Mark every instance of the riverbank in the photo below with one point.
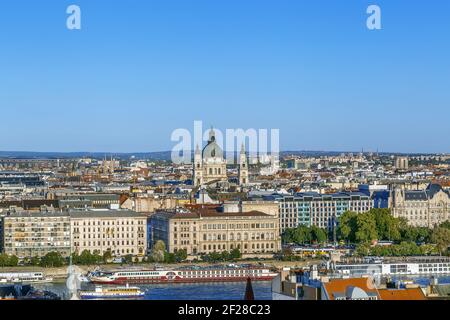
(61, 273)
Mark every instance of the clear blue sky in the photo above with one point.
(140, 69)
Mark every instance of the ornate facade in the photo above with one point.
(424, 208)
(206, 230)
(211, 166)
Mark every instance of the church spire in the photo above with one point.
(197, 149)
(212, 135)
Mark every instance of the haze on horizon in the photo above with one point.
(138, 70)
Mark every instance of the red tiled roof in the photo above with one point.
(340, 286)
(402, 294)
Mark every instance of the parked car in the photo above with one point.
(117, 260)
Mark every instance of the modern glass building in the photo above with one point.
(321, 210)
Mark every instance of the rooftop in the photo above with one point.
(212, 212)
(105, 214)
(402, 294)
(340, 288)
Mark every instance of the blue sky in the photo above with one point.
(140, 69)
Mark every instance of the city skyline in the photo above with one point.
(137, 71)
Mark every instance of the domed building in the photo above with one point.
(211, 166)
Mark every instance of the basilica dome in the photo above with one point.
(212, 149)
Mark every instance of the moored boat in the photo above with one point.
(419, 267)
(122, 292)
(184, 275)
(24, 277)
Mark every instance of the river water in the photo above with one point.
(209, 291)
(200, 291)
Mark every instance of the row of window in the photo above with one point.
(223, 226)
(109, 223)
(254, 246)
(220, 272)
(107, 229)
(106, 243)
(239, 236)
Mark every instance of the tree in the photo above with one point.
(445, 224)
(181, 255)
(13, 261)
(367, 227)
(4, 259)
(158, 250)
(215, 256)
(348, 226)
(288, 236)
(318, 235)
(225, 255)
(415, 234)
(441, 237)
(363, 249)
(52, 260)
(169, 257)
(388, 227)
(302, 234)
(128, 259)
(86, 257)
(107, 256)
(8, 260)
(235, 254)
(96, 257)
(35, 261)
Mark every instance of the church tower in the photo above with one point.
(243, 167)
(198, 168)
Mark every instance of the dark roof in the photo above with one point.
(91, 196)
(30, 204)
(36, 214)
(434, 188)
(416, 195)
(105, 214)
(318, 196)
(429, 193)
(211, 213)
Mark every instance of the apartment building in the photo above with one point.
(321, 210)
(28, 234)
(210, 229)
(117, 231)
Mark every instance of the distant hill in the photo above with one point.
(164, 155)
(160, 155)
